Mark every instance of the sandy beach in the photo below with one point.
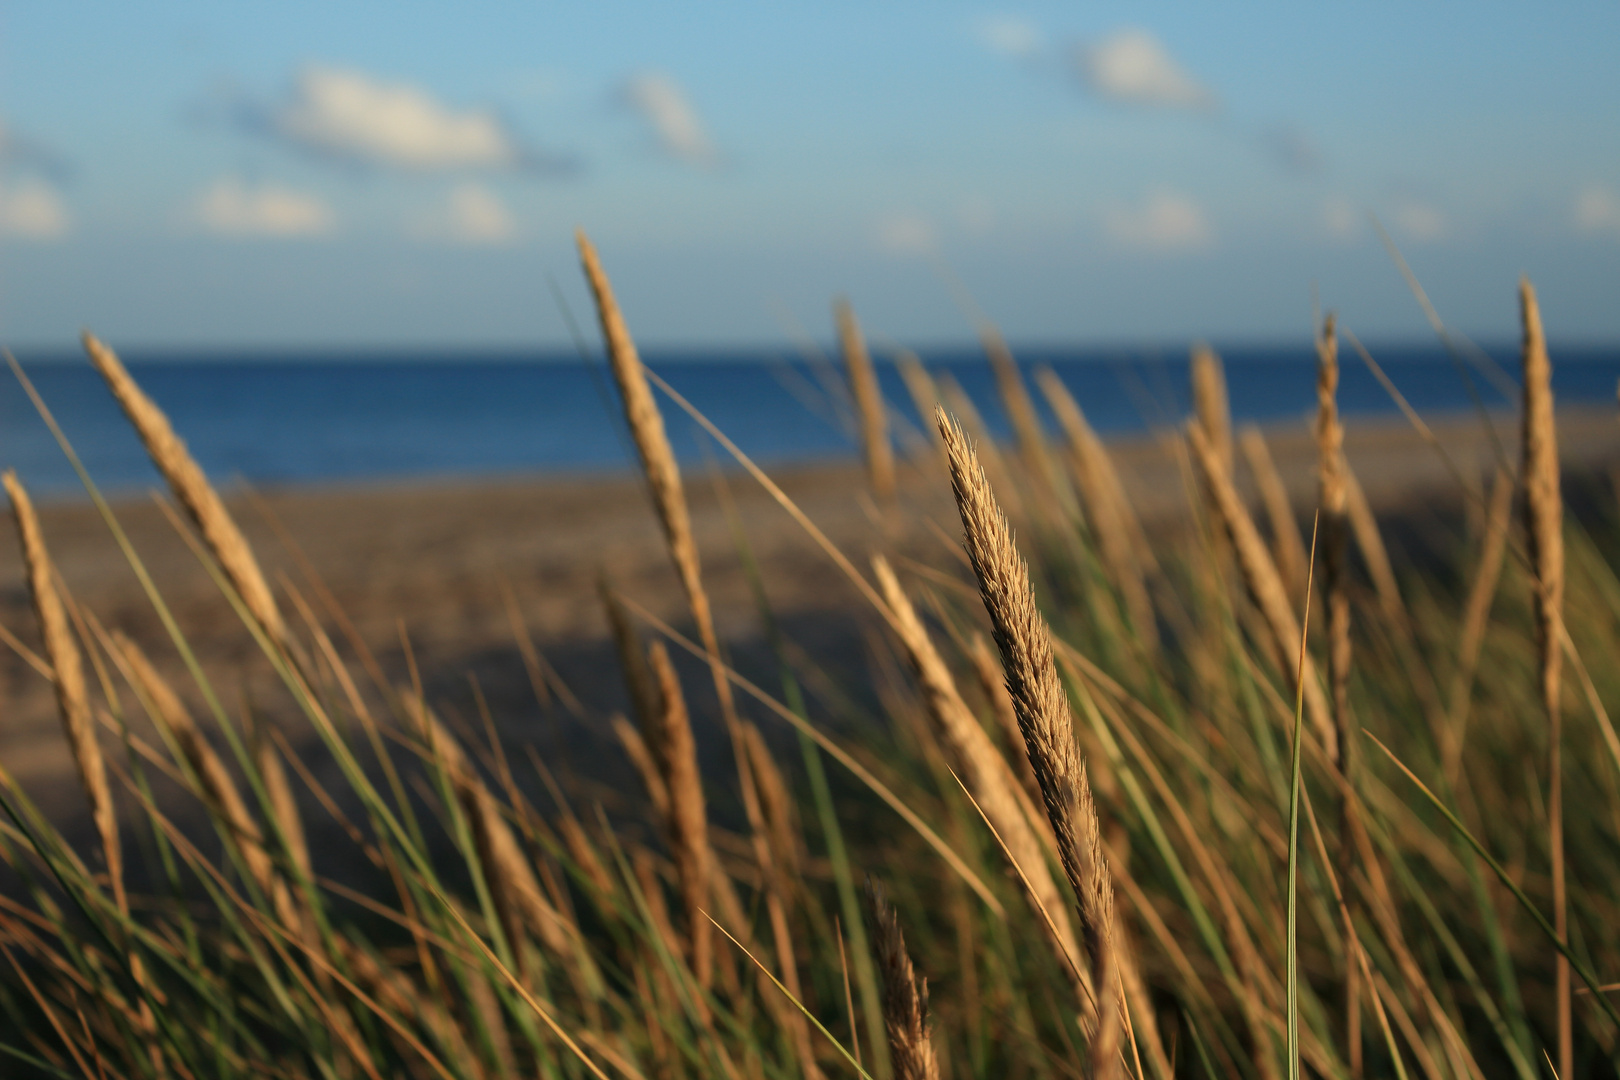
(433, 562)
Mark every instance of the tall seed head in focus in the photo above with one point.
(1022, 637)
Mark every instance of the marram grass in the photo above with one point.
(1113, 824)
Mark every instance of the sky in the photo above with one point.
(389, 175)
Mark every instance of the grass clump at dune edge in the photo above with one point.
(1136, 810)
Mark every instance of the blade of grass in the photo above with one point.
(1575, 962)
(1293, 820)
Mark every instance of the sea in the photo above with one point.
(307, 418)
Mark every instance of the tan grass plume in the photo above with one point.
(1024, 641)
(982, 768)
(868, 397)
(1476, 618)
(1332, 494)
(1108, 511)
(676, 753)
(658, 464)
(1332, 541)
(1210, 403)
(67, 679)
(282, 803)
(905, 998)
(924, 394)
(218, 787)
(1544, 534)
(1288, 547)
(635, 748)
(1020, 409)
(190, 486)
(1264, 583)
(519, 900)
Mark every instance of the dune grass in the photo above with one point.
(1114, 821)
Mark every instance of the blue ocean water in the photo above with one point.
(309, 419)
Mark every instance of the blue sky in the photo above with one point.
(312, 174)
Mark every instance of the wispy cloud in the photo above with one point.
(31, 209)
(1340, 220)
(906, 234)
(471, 214)
(663, 104)
(1165, 222)
(351, 116)
(1420, 220)
(1133, 67)
(1014, 38)
(1597, 210)
(230, 207)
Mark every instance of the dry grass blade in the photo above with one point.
(67, 679)
(1024, 641)
(1020, 409)
(1210, 403)
(657, 463)
(186, 479)
(217, 786)
(1265, 585)
(1286, 543)
(987, 669)
(1370, 541)
(1544, 535)
(518, 898)
(845, 759)
(924, 394)
(1476, 618)
(905, 1000)
(986, 774)
(776, 804)
(869, 407)
(643, 694)
(1373, 552)
(635, 748)
(282, 803)
(1108, 511)
(676, 753)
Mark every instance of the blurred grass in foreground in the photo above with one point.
(1115, 821)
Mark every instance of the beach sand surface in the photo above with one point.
(433, 564)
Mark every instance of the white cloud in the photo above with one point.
(1597, 210)
(1133, 67)
(663, 104)
(352, 116)
(1340, 219)
(1016, 39)
(906, 234)
(32, 209)
(1166, 222)
(232, 208)
(1420, 221)
(472, 214)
